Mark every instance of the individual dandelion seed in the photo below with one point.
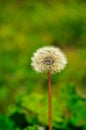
(49, 60)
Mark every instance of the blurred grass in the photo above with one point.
(26, 26)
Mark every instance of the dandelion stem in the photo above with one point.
(49, 101)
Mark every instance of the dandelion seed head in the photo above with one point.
(49, 59)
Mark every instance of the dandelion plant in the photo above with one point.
(49, 60)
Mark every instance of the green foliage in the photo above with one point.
(31, 128)
(6, 123)
(62, 111)
(28, 24)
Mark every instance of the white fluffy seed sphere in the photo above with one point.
(48, 59)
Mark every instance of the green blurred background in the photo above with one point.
(24, 27)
